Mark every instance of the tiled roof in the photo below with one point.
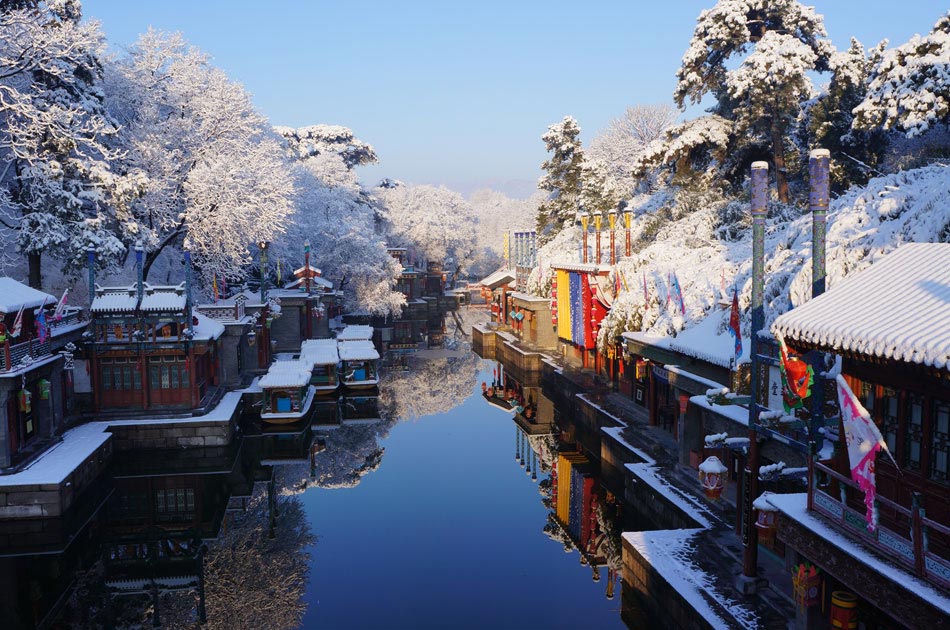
(357, 351)
(114, 300)
(898, 308)
(170, 298)
(14, 295)
(498, 278)
(355, 333)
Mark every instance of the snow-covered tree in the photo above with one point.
(496, 213)
(619, 145)
(909, 89)
(314, 140)
(828, 120)
(339, 222)
(435, 222)
(58, 191)
(218, 177)
(762, 92)
(561, 179)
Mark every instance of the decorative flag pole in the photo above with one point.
(864, 440)
(750, 538)
(734, 327)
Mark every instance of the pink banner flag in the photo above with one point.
(864, 441)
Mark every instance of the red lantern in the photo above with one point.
(766, 521)
(711, 476)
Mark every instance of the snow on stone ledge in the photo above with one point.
(795, 506)
(898, 308)
(689, 505)
(668, 551)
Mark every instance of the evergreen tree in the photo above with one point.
(762, 95)
(562, 178)
(909, 89)
(830, 118)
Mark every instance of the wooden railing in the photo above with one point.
(909, 547)
(12, 355)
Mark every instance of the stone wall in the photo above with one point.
(662, 601)
(186, 434)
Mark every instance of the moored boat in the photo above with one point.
(288, 394)
(324, 358)
(359, 364)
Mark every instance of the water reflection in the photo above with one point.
(258, 534)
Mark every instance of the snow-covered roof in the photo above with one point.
(322, 353)
(115, 300)
(583, 267)
(898, 308)
(313, 269)
(355, 333)
(286, 374)
(207, 327)
(16, 295)
(315, 281)
(357, 351)
(170, 298)
(498, 278)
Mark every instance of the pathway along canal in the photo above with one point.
(425, 506)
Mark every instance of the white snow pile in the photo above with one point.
(709, 250)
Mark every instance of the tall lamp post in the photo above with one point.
(263, 247)
(306, 259)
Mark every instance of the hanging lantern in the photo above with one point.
(711, 474)
(251, 338)
(44, 389)
(766, 520)
(641, 369)
(806, 585)
(25, 401)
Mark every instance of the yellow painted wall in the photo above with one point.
(563, 487)
(563, 304)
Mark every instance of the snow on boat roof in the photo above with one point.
(15, 295)
(114, 299)
(357, 351)
(583, 267)
(355, 333)
(322, 354)
(498, 278)
(286, 374)
(898, 308)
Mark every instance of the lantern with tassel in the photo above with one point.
(711, 474)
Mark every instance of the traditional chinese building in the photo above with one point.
(890, 327)
(148, 350)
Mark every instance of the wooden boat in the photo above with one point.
(322, 355)
(359, 364)
(288, 394)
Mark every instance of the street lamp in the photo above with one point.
(263, 247)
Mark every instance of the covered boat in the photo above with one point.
(288, 394)
(359, 364)
(355, 333)
(324, 359)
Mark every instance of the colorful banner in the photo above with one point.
(797, 377)
(864, 440)
(577, 309)
(734, 324)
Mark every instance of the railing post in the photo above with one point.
(812, 478)
(917, 534)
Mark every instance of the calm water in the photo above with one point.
(448, 532)
(406, 509)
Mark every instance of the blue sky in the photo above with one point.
(459, 93)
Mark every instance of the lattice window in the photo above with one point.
(915, 430)
(940, 446)
(890, 404)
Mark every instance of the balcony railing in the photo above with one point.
(223, 312)
(71, 318)
(13, 355)
(909, 547)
